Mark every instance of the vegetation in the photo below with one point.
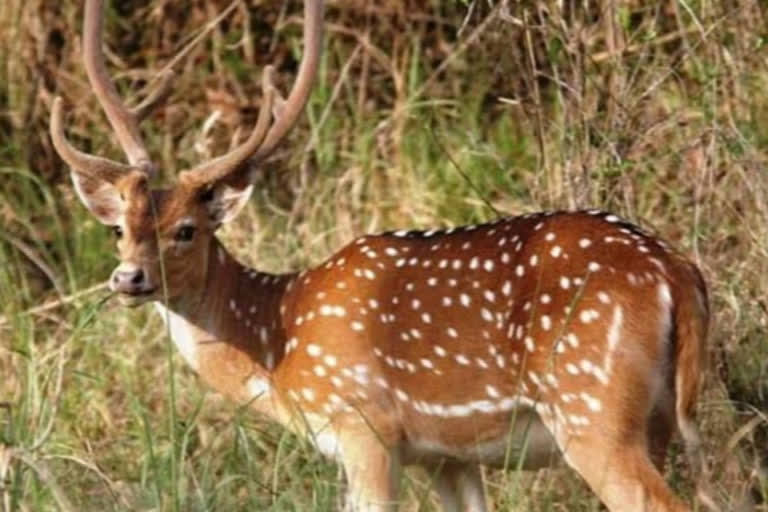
(426, 114)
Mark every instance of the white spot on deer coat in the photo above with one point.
(258, 386)
(613, 337)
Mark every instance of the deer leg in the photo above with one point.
(460, 487)
(661, 427)
(622, 476)
(373, 473)
(470, 483)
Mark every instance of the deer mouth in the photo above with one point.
(135, 298)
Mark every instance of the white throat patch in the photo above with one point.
(182, 333)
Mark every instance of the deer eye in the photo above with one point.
(207, 195)
(117, 231)
(185, 234)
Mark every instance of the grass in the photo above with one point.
(533, 110)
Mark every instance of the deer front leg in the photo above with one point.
(373, 473)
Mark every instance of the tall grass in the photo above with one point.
(424, 115)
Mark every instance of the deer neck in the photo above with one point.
(230, 331)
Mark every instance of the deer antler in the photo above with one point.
(262, 143)
(90, 165)
(222, 166)
(124, 121)
(292, 107)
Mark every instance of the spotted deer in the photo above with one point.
(564, 335)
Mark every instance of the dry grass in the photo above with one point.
(652, 109)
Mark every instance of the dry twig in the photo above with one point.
(4, 321)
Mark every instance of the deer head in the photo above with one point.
(167, 233)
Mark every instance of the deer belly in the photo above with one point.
(513, 439)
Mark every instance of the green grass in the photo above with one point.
(88, 410)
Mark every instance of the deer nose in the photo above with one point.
(128, 278)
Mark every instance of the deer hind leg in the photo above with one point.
(622, 475)
(620, 453)
(661, 428)
(373, 473)
(691, 439)
(460, 487)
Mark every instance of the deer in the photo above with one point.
(561, 336)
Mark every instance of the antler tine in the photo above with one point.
(124, 121)
(90, 165)
(220, 167)
(297, 99)
(264, 138)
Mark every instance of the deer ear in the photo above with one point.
(102, 198)
(225, 201)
